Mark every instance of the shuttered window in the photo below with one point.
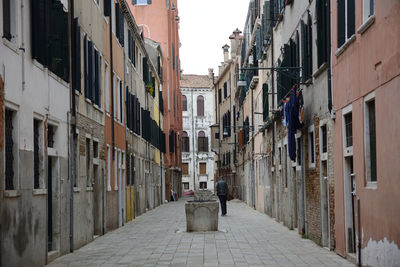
(203, 168)
(49, 28)
(185, 142)
(306, 50)
(107, 8)
(119, 24)
(184, 103)
(322, 31)
(77, 51)
(173, 56)
(265, 102)
(225, 90)
(9, 149)
(202, 142)
(200, 106)
(7, 20)
(185, 169)
(345, 20)
(219, 95)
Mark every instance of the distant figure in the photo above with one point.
(222, 191)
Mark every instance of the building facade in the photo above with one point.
(77, 80)
(35, 182)
(198, 116)
(159, 21)
(224, 132)
(365, 77)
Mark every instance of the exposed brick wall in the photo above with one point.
(96, 130)
(313, 193)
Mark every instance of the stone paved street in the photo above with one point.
(158, 238)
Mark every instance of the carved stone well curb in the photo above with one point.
(202, 213)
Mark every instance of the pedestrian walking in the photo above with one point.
(222, 191)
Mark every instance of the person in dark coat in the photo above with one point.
(222, 191)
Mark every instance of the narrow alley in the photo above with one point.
(158, 238)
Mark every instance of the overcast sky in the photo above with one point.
(205, 26)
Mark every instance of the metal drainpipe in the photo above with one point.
(329, 59)
(112, 88)
(253, 191)
(72, 119)
(22, 48)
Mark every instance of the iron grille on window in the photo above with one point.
(348, 120)
(9, 153)
(50, 135)
(35, 154)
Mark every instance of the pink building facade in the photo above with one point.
(366, 97)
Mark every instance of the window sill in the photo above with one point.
(366, 24)
(39, 191)
(12, 193)
(10, 45)
(89, 189)
(52, 152)
(320, 70)
(372, 185)
(324, 156)
(58, 79)
(77, 189)
(96, 161)
(311, 166)
(345, 45)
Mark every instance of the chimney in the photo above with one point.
(235, 42)
(226, 53)
(210, 73)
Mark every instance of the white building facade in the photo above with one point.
(198, 116)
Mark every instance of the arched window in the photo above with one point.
(202, 142)
(184, 103)
(185, 142)
(200, 105)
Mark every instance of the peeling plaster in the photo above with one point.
(381, 253)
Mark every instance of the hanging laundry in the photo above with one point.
(293, 122)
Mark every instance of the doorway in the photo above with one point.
(349, 198)
(324, 204)
(53, 205)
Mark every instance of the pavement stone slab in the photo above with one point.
(158, 238)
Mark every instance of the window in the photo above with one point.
(203, 185)
(298, 151)
(346, 20)
(348, 123)
(184, 103)
(37, 152)
(131, 48)
(200, 105)
(77, 55)
(219, 96)
(119, 24)
(92, 72)
(173, 56)
(322, 32)
(226, 123)
(311, 147)
(307, 41)
(324, 137)
(225, 90)
(370, 140)
(285, 166)
(141, 2)
(368, 9)
(10, 147)
(185, 168)
(280, 155)
(108, 169)
(203, 168)
(186, 186)
(185, 142)
(50, 135)
(229, 86)
(107, 8)
(95, 149)
(265, 102)
(202, 142)
(121, 107)
(55, 56)
(88, 163)
(107, 87)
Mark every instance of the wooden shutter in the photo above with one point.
(86, 65)
(77, 51)
(200, 106)
(91, 70)
(121, 28)
(107, 8)
(121, 96)
(341, 20)
(185, 168)
(309, 47)
(265, 101)
(97, 78)
(351, 18)
(7, 19)
(129, 45)
(303, 51)
(203, 168)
